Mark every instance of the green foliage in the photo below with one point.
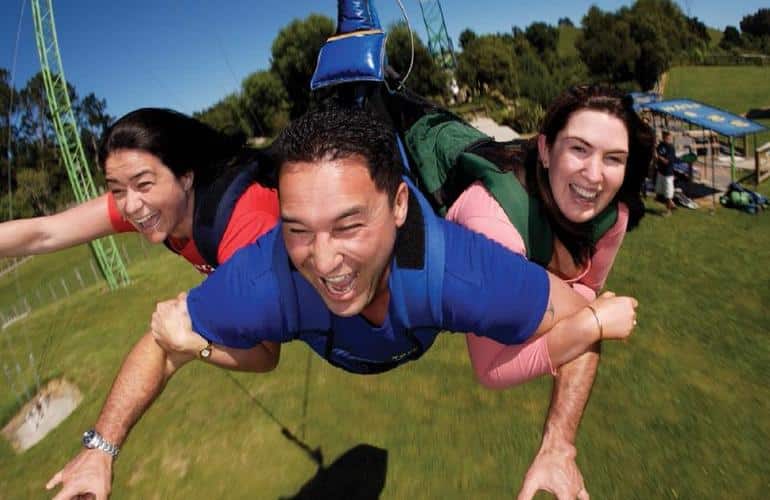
(606, 46)
(266, 103)
(426, 77)
(466, 37)
(757, 24)
(227, 116)
(730, 38)
(639, 43)
(39, 180)
(295, 51)
(487, 63)
(543, 37)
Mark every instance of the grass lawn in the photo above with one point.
(678, 411)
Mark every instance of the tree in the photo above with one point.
(227, 116)
(542, 37)
(426, 77)
(466, 37)
(757, 24)
(265, 103)
(731, 37)
(565, 21)
(488, 63)
(93, 120)
(295, 51)
(606, 47)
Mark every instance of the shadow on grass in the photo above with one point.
(357, 474)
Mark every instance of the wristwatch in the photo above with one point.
(94, 441)
(205, 353)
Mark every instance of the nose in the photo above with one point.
(326, 257)
(593, 169)
(133, 202)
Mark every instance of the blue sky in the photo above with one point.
(189, 54)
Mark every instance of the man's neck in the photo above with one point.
(376, 310)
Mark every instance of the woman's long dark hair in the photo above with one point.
(181, 143)
(576, 237)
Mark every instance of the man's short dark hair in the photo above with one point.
(335, 133)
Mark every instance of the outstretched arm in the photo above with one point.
(141, 379)
(554, 468)
(80, 224)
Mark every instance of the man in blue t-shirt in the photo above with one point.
(360, 269)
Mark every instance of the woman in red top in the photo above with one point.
(155, 161)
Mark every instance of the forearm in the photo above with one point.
(260, 358)
(21, 237)
(571, 337)
(142, 377)
(571, 390)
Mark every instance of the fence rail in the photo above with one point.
(59, 286)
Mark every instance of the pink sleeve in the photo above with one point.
(498, 365)
(606, 250)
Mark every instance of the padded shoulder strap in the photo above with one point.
(214, 204)
(420, 257)
(434, 143)
(524, 211)
(604, 222)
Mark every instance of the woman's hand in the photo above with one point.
(615, 316)
(172, 329)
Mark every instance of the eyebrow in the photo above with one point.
(580, 139)
(347, 213)
(135, 176)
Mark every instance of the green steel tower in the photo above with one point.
(439, 43)
(68, 135)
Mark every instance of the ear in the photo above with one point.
(187, 180)
(401, 204)
(543, 150)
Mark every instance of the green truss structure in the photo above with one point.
(68, 135)
(439, 43)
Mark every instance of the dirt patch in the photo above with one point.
(55, 401)
(490, 127)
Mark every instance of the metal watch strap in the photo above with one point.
(97, 441)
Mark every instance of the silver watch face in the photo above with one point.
(206, 352)
(89, 439)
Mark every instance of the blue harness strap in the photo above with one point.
(214, 205)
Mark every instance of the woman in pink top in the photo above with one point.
(590, 156)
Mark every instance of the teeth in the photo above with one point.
(339, 284)
(585, 193)
(144, 219)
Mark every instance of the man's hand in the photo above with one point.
(554, 470)
(88, 475)
(172, 329)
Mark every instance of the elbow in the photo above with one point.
(490, 380)
(272, 356)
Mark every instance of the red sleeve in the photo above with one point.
(255, 213)
(120, 224)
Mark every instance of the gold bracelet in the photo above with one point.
(596, 317)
